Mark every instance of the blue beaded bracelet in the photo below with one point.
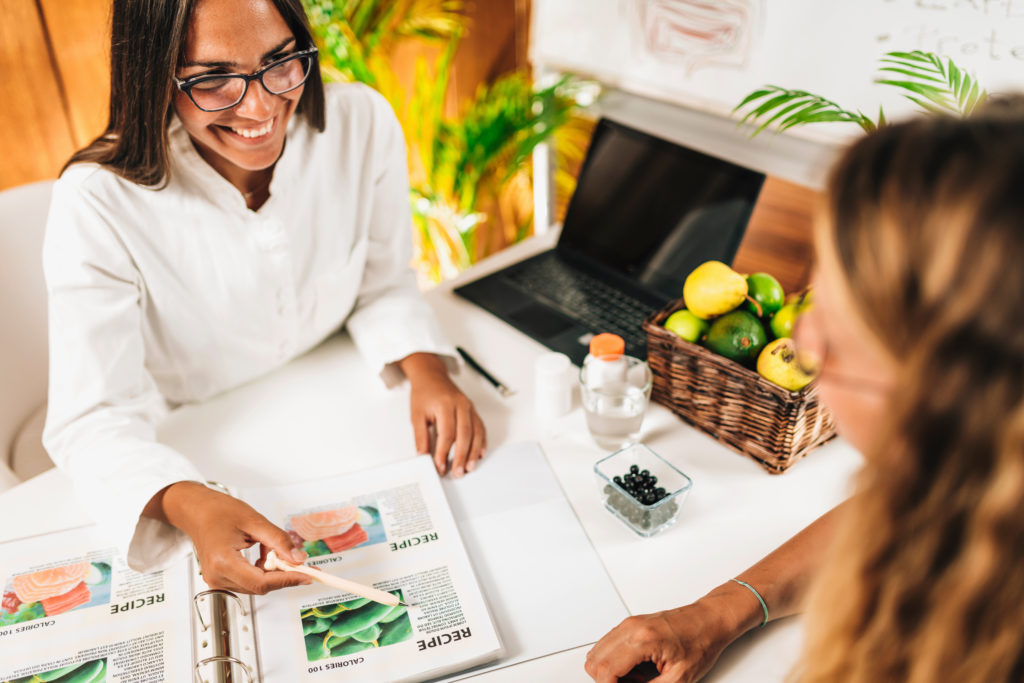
(759, 599)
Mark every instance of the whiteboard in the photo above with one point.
(709, 54)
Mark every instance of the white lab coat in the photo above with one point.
(161, 297)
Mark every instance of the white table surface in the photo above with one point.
(326, 412)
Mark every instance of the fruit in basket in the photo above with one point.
(784, 321)
(686, 325)
(712, 289)
(780, 363)
(767, 292)
(804, 300)
(738, 336)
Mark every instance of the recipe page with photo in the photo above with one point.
(72, 610)
(389, 528)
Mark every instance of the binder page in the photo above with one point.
(390, 528)
(511, 513)
(74, 612)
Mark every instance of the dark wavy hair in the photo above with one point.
(146, 48)
(924, 232)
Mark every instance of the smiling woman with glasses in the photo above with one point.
(234, 214)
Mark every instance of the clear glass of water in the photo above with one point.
(615, 394)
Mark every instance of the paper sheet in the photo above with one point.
(73, 611)
(389, 527)
(543, 580)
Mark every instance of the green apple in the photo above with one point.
(767, 292)
(784, 320)
(686, 325)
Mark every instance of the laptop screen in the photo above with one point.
(653, 210)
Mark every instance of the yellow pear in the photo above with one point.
(712, 289)
(779, 363)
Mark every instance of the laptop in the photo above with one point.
(645, 213)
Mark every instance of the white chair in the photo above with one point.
(23, 345)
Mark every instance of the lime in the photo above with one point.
(778, 363)
(686, 325)
(738, 336)
(713, 288)
(784, 320)
(766, 291)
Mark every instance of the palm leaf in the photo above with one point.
(432, 19)
(935, 85)
(787, 108)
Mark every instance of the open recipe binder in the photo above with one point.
(73, 612)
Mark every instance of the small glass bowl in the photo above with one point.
(646, 520)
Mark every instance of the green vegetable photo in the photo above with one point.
(349, 627)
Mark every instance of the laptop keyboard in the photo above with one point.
(583, 298)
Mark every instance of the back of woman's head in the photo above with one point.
(924, 232)
(146, 48)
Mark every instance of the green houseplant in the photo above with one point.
(934, 85)
(470, 174)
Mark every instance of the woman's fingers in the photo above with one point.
(234, 573)
(420, 431)
(479, 444)
(435, 401)
(259, 528)
(673, 673)
(463, 436)
(444, 428)
(221, 527)
(611, 658)
(638, 639)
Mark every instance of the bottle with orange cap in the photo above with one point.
(615, 389)
(605, 364)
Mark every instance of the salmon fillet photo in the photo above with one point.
(319, 525)
(49, 583)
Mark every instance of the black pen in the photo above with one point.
(471, 362)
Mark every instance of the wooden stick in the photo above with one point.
(273, 562)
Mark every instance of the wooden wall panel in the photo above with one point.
(778, 238)
(80, 34)
(494, 43)
(35, 135)
(489, 48)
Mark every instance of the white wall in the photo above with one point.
(678, 67)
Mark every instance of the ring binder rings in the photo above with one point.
(221, 677)
(217, 646)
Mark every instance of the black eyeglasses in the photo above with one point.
(217, 92)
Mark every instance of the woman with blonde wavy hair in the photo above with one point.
(924, 242)
(919, 295)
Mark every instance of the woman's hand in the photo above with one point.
(436, 402)
(683, 644)
(220, 527)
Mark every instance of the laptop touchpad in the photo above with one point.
(540, 322)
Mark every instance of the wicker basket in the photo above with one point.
(733, 404)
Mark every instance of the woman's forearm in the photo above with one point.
(782, 578)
